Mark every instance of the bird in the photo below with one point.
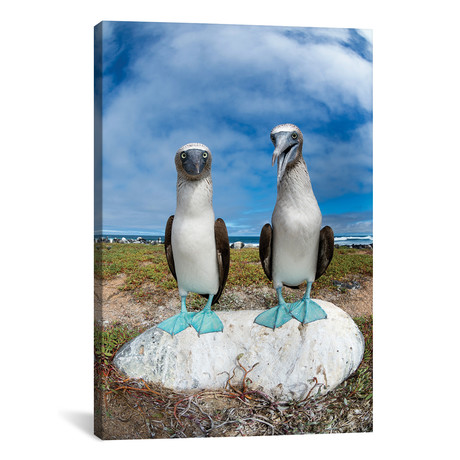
(294, 248)
(196, 245)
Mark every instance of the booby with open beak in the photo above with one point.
(293, 249)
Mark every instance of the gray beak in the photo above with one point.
(285, 152)
(194, 162)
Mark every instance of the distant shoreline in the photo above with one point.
(350, 241)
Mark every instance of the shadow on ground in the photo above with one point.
(81, 420)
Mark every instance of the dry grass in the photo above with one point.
(129, 408)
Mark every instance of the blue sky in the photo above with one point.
(165, 85)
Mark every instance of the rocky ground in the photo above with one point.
(115, 306)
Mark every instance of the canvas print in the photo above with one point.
(233, 241)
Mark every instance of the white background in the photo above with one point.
(46, 257)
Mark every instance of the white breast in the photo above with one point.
(193, 241)
(296, 224)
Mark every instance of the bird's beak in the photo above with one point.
(194, 163)
(285, 152)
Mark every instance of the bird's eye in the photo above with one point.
(183, 155)
(272, 137)
(205, 154)
(294, 135)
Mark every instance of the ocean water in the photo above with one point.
(349, 239)
(253, 241)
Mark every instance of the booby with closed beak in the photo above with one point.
(196, 245)
(293, 249)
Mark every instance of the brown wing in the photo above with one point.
(223, 255)
(265, 249)
(168, 247)
(325, 251)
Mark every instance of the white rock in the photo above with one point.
(237, 245)
(288, 358)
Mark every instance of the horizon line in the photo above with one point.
(130, 232)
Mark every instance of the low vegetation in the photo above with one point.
(128, 408)
(147, 264)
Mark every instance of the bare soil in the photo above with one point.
(115, 306)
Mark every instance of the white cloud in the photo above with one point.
(368, 34)
(359, 222)
(227, 87)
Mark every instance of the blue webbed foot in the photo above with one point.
(177, 323)
(276, 316)
(307, 310)
(207, 321)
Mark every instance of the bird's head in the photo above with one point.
(193, 161)
(288, 141)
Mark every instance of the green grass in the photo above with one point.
(346, 262)
(147, 264)
(360, 384)
(107, 341)
(139, 262)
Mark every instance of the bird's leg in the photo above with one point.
(306, 310)
(183, 311)
(276, 316)
(206, 320)
(307, 292)
(178, 323)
